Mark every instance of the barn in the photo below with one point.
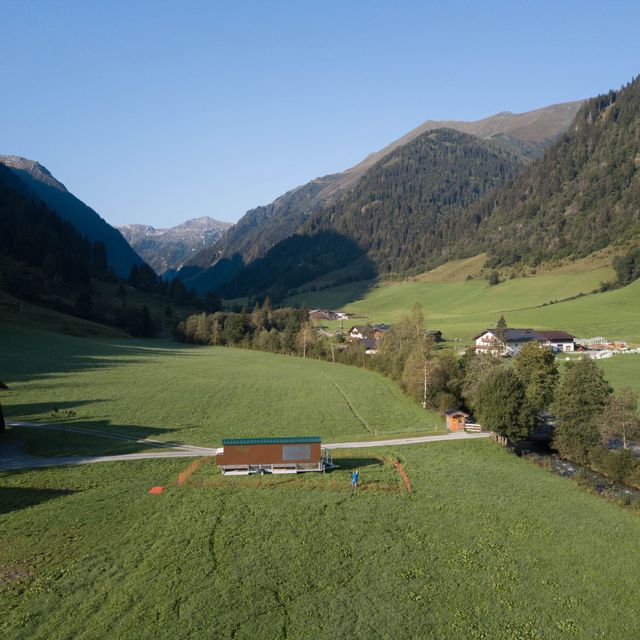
(242, 456)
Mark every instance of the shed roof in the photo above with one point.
(284, 440)
(557, 335)
(523, 335)
(455, 412)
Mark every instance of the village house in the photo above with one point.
(379, 330)
(359, 332)
(515, 339)
(327, 314)
(370, 346)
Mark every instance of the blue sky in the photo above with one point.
(156, 112)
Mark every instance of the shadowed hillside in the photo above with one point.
(56, 196)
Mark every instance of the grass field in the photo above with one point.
(622, 370)
(463, 308)
(195, 395)
(485, 546)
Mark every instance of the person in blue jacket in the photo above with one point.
(354, 478)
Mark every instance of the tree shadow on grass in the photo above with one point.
(23, 362)
(64, 408)
(94, 438)
(17, 498)
(356, 463)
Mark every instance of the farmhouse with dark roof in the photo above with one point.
(489, 342)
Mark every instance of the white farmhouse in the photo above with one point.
(515, 339)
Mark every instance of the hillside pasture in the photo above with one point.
(196, 395)
(461, 309)
(622, 370)
(485, 546)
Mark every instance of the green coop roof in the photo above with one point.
(285, 440)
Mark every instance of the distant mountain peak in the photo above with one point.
(34, 169)
(167, 249)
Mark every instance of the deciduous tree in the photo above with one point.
(477, 367)
(620, 418)
(306, 337)
(537, 368)
(579, 400)
(422, 373)
(501, 404)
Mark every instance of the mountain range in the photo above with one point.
(55, 195)
(166, 250)
(523, 136)
(561, 181)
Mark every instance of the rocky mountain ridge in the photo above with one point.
(167, 249)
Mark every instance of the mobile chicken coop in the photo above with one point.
(242, 456)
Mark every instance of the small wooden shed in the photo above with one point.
(242, 456)
(456, 419)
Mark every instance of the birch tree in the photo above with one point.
(620, 418)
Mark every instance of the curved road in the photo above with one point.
(12, 457)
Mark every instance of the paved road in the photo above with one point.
(12, 457)
(460, 435)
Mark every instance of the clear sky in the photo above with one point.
(156, 112)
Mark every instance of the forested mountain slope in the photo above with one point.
(56, 196)
(401, 213)
(446, 195)
(526, 134)
(583, 195)
(41, 254)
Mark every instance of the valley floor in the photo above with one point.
(445, 540)
(485, 545)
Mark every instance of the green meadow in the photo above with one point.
(462, 308)
(195, 395)
(485, 546)
(622, 370)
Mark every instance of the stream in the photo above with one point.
(541, 454)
